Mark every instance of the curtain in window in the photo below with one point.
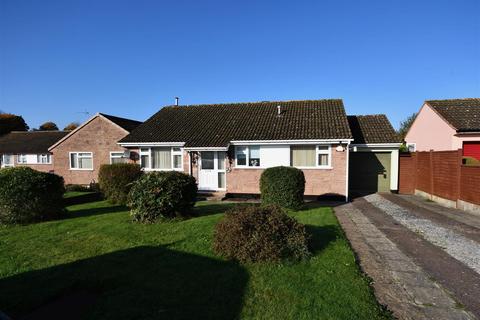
(161, 158)
(303, 156)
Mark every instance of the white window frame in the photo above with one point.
(172, 153)
(414, 145)
(77, 152)
(247, 163)
(12, 158)
(116, 157)
(22, 158)
(318, 152)
(42, 155)
(328, 152)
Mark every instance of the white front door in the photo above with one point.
(211, 173)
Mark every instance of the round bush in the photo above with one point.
(283, 186)
(27, 195)
(254, 234)
(167, 194)
(115, 180)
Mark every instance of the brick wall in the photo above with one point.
(100, 136)
(317, 181)
(38, 167)
(440, 174)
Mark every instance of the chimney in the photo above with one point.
(176, 101)
(279, 110)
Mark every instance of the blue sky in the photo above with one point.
(129, 58)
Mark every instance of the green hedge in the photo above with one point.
(256, 234)
(283, 186)
(27, 195)
(167, 194)
(115, 180)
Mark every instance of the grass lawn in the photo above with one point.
(97, 264)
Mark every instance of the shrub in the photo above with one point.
(76, 188)
(283, 186)
(255, 234)
(115, 180)
(167, 194)
(27, 195)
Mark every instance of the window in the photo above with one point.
(254, 156)
(177, 158)
(247, 155)
(302, 156)
(310, 156)
(221, 160)
(7, 160)
(22, 158)
(323, 156)
(145, 157)
(81, 160)
(241, 156)
(44, 158)
(411, 147)
(161, 158)
(117, 157)
(208, 160)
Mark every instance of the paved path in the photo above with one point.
(387, 252)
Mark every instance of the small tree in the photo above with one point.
(48, 126)
(71, 126)
(405, 125)
(10, 122)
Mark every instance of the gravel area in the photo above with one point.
(463, 249)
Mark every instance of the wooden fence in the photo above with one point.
(440, 176)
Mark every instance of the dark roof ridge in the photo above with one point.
(251, 103)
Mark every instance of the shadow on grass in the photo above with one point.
(322, 236)
(214, 208)
(143, 282)
(94, 211)
(84, 197)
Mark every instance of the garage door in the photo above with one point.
(369, 172)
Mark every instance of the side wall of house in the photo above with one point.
(100, 137)
(430, 132)
(37, 166)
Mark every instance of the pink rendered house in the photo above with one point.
(447, 125)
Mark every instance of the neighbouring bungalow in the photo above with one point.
(226, 147)
(80, 153)
(447, 125)
(29, 148)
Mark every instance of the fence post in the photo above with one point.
(459, 174)
(431, 173)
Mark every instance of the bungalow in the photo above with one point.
(80, 153)
(29, 148)
(447, 125)
(226, 147)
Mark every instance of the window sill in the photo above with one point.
(74, 169)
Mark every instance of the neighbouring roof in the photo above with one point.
(126, 124)
(29, 142)
(373, 128)
(462, 114)
(215, 125)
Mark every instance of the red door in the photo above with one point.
(471, 149)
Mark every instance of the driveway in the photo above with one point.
(424, 259)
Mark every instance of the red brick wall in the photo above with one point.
(100, 136)
(470, 184)
(442, 170)
(318, 181)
